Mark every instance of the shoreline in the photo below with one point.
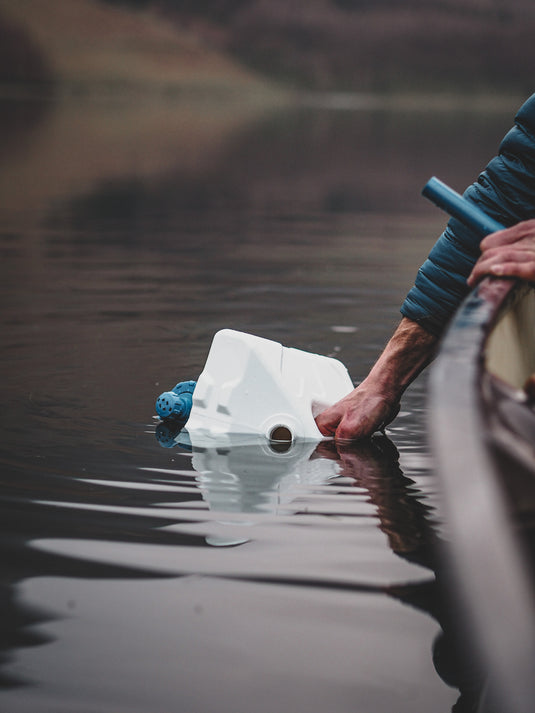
(220, 93)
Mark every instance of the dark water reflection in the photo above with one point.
(143, 578)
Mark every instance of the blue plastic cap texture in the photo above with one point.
(184, 387)
(176, 403)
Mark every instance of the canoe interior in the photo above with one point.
(509, 414)
(510, 348)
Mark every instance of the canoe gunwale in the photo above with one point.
(489, 569)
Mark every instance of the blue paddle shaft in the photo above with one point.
(458, 207)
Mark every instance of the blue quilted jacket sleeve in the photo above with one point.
(505, 191)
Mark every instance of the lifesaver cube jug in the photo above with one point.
(255, 386)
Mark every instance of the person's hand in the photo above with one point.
(374, 403)
(358, 415)
(507, 253)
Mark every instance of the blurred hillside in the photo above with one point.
(374, 44)
(87, 43)
(356, 45)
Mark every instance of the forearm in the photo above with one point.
(408, 352)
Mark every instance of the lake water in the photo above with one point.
(138, 577)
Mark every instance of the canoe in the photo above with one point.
(482, 435)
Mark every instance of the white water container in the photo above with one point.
(252, 386)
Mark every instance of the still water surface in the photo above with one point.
(138, 577)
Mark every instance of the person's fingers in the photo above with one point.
(494, 240)
(522, 270)
(350, 430)
(358, 415)
(511, 262)
(508, 236)
(346, 422)
(328, 420)
(363, 422)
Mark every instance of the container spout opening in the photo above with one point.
(280, 438)
(281, 434)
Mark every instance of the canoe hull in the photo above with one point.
(482, 431)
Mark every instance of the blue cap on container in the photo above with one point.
(176, 403)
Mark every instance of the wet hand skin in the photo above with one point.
(507, 253)
(358, 415)
(375, 402)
